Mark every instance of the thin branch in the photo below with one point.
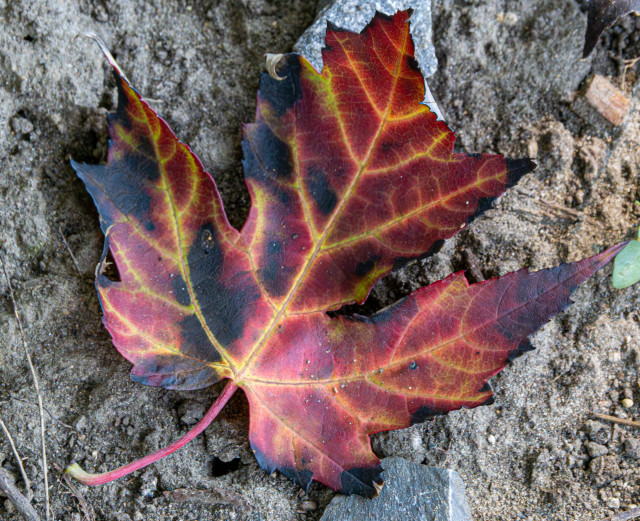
(73, 257)
(624, 516)
(20, 502)
(38, 393)
(51, 415)
(27, 483)
(615, 419)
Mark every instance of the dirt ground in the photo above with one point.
(508, 81)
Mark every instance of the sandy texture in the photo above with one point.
(507, 77)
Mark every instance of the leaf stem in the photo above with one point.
(76, 471)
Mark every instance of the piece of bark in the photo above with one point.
(610, 102)
(21, 503)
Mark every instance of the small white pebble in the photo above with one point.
(491, 439)
(627, 403)
(613, 502)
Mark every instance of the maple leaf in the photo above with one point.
(603, 14)
(350, 176)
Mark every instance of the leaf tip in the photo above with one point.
(362, 481)
(105, 50)
(518, 168)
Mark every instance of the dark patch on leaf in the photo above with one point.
(173, 372)
(489, 401)
(181, 291)
(524, 347)
(400, 262)
(362, 268)
(196, 342)
(361, 481)
(424, 413)
(265, 155)
(274, 275)
(226, 309)
(486, 388)
(121, 184)
(301, 477)
(282, 94)
(518, 168)
(321, 191)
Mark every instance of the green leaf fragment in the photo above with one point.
(626, 267)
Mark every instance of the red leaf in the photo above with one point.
(349, 176)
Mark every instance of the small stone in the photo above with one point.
(597, 431)
(627, 403)
(608, 100)
(613, 502)
(632, 448)
(22, 126)
(491, 439)
(309, 505)
(595, 449)
(604, 469)
(149, 485)
(191, 412)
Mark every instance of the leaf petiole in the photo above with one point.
(76, 471)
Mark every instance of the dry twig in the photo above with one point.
(27, 483)
(51, 415)
(615, 419)
(88, 513)
(624, 516)
(20, 502)
(37, 387)
(73, 257)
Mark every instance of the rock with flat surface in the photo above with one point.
(411, 492)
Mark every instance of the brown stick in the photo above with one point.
(624, 516)
(20, 502)
(27, 483)
(34, 376)
(615, 419)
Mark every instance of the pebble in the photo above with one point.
(604, 469)
(632, 448)
(613, 502)
(491, 439)
(598, 432)
(627, 403)
(595, 449)
(309, 505)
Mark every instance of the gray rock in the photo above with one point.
(595, 449)
(632, 448)
(356, 14)
(411, 491)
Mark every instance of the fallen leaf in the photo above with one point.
(603, 14)
(350, 176)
